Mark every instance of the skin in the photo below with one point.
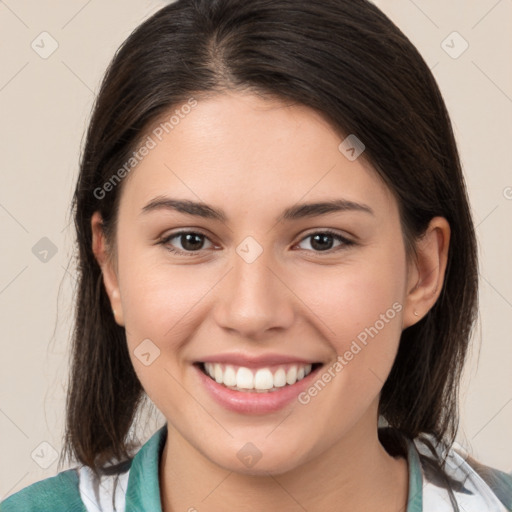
(253, 158)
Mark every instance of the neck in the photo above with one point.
(356, 474)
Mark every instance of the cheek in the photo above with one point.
(358, 310)
(155, 304)
(161, 303)
(159, 298)
(349, 299)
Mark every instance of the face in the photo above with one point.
(315, 290)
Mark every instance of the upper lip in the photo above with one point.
(249, 361)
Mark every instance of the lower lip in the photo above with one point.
(254, 402)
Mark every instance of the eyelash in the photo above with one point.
(338, 237)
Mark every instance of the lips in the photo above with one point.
(256, 361)
(253, 401)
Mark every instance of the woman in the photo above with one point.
(275, 245)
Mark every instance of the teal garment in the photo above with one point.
(143, 492)
(61, 493)
(415, 495)
(55, 494)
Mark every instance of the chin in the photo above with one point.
(259, 464)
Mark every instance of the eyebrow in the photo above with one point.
(295, 212)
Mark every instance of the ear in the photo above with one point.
(104, 258)
(426, 273)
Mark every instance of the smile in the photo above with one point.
(261, 380)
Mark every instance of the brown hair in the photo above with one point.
(348, 61)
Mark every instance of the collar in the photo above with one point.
(415, 496)
(143, 490)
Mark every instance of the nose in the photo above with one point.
(254, 297)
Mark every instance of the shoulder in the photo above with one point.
(81, 489)
(499, 482)
(58, 493)
(475, 486)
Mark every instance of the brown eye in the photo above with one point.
(322, 241)
(190, 241)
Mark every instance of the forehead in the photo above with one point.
(240, 149)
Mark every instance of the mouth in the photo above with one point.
(268, 379)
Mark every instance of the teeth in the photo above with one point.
(244, 377)
(261, 380)
(291, 375)
(280, 378)
(229, 377)
(217, 374)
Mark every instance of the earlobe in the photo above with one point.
(426, 273)
(117, 310)
(110, 279)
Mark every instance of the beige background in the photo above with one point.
(45, 105)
